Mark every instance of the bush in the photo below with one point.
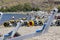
(2, 9)
(20, 7)
(27, 7)
(35, 9)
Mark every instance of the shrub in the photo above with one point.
(27, 7)
(20, 7)
(35, 8)
(2, 9)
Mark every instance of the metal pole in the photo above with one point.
(40, 31)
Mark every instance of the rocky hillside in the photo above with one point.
(41, 3)
(15, 2)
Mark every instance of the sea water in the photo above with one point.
(7, 17)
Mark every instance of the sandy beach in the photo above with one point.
(52, 34)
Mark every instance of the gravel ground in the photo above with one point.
(52, 34)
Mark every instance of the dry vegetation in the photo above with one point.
(15, 2)
(9, 3)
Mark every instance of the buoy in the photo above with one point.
(6, 24)
(12, 21)
(31, 23)
(40, 23)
